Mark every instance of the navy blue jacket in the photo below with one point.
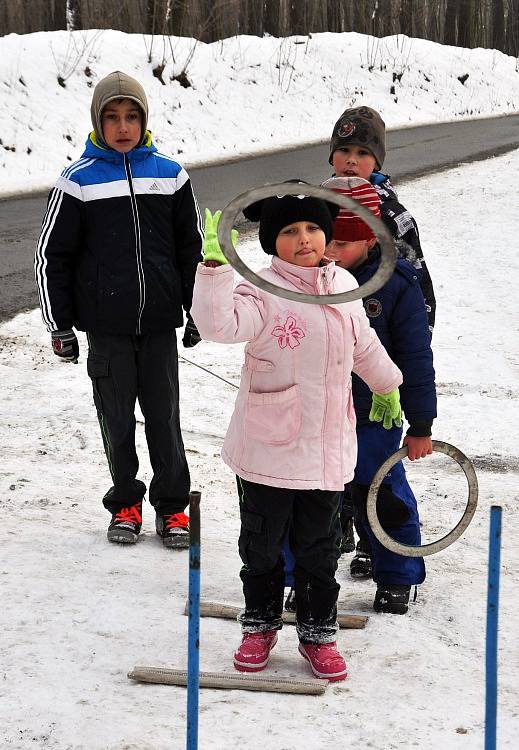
(397, 313)
(120, 242)
(404, 229)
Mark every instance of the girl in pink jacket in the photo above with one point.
(291, 440)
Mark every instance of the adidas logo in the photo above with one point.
(154, 188)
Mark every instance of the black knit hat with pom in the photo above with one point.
(281, 210)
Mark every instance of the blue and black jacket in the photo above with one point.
(120, 242)
(397, 313)
(404, 229)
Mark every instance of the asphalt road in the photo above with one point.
(412, 152)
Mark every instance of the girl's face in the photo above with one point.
(302, 243)
(353, 161)
(122, 125)
(349, 254)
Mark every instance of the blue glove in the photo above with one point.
(386, 408)
(211, 249)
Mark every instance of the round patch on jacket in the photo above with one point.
(373, 308)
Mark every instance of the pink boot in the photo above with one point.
(324, 659)
(254, 651)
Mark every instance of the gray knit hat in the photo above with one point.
(360, 126)
(117, 85)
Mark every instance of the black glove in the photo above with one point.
(65, 345)
(191, 336)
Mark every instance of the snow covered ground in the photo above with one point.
(247, 94)
(77, 612)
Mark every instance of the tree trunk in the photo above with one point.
(467, 23)
(271, 17)
(512, 28)
(406, 17)
(498, 32)
(451, 12)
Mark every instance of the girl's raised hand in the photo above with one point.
(212, 252)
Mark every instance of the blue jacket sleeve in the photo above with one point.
(411, 351)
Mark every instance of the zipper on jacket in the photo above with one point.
(138, 246)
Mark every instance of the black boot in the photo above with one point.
(348, 537)
(290, 601)
(360, 566)
(392, 598)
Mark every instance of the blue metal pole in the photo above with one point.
(494, 556)
(193, 653)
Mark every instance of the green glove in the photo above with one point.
(386, 409)
(211, 249)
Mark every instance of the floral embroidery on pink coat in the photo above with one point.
(288, 334)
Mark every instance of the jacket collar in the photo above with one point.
(316, 280)
(98, 150)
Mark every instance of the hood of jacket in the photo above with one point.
(117, 85)
(383, 185)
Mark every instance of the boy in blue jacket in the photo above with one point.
(117, 256)
(397, 313)
(358, 149)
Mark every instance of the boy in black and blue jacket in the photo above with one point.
(397, 313)
(117, 255)
(358, 149)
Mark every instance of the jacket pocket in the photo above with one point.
(274, 418)
(257, 365)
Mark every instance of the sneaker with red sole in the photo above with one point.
(254, 651)
(325, 660)
(125, 524)
(174, 529)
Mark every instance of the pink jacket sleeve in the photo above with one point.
(222, 313)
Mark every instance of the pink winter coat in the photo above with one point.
(293, 424)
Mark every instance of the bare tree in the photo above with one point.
(469, 23)
(498, 29)
(512, 28)
(21, 17)
(450, 35)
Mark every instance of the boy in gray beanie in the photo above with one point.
(117, 255)
(358, 149)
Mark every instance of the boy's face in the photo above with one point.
(353, 161)
(301, 243)
(349, 254)
(122, 125)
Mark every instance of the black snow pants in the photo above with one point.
(123, 369)
(312, 519)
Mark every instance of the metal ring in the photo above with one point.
(231, 211)
(423, 550)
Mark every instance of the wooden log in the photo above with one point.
(231, 612)
(224, 681)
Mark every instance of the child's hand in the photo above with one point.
(418, 447)
(386, 408)
(191, 336)
(65, 345)
(211, 250)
